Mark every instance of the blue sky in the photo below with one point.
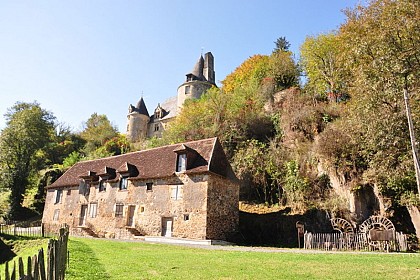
(80, 57)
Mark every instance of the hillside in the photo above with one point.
(337, 145)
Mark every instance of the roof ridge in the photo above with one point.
(151, 149)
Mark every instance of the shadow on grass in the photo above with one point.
(10, 245)
(83, 263)
(6, 253)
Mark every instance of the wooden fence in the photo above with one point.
(36, 269)
(23, 231)
(353, 241)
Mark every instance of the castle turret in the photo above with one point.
(138, 118)
(208, 70)
(201, 78)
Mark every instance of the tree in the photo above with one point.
(320, 60)
(283, 70)
(381, 49)
(63, 142)
(97, 131)
(28, 131)
(282, 45)
(260, 166)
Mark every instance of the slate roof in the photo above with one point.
(153, 163)
(198, 68)
(140, 108)
(170, 106)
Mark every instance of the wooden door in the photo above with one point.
(83, 215)
(167, 227)
(130, 217)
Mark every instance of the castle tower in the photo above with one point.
(201, 78)
(138, 118)
(208, 70)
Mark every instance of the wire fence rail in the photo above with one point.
(37, 269)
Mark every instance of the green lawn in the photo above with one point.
(23, 246)
(107, 259)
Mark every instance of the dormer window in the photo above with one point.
(126, 170)
(181, 163)
(159, 112)
(185, 158)
(123, 183)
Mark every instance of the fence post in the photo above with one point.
(51, 260)
(41, 264)
(21, 270)
(13, 276)
(6, 271)
(56, 262)
(29, 269)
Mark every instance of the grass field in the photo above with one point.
(107, 259)
(23, 246)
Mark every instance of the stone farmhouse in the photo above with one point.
(142, 125)
(185, 190)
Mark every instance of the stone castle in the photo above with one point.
(142, 125)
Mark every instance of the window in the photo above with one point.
(182, 163)
(58, 196)
(149, 187)
(56, 214)
(123, 183)
(176, 192)
(187, 89)
(186, 217)
(158, 114)
(119, 209)
(141, 209)
(83, 187)
(102, 185)
(156, 127)
(93, 209)
(69, 192)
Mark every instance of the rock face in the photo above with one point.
(415, 218)
(366, 201)
(362, 202)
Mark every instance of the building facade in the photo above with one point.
(185, 190)
(142, 125)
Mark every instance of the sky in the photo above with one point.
(79, 57)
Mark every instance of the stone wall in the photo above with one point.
(163, 125)
(68, 208)
(137, 126)
(196, 89)
(223, 208)
(182, 200)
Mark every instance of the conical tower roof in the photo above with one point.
(198, 68)
(141, 107)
